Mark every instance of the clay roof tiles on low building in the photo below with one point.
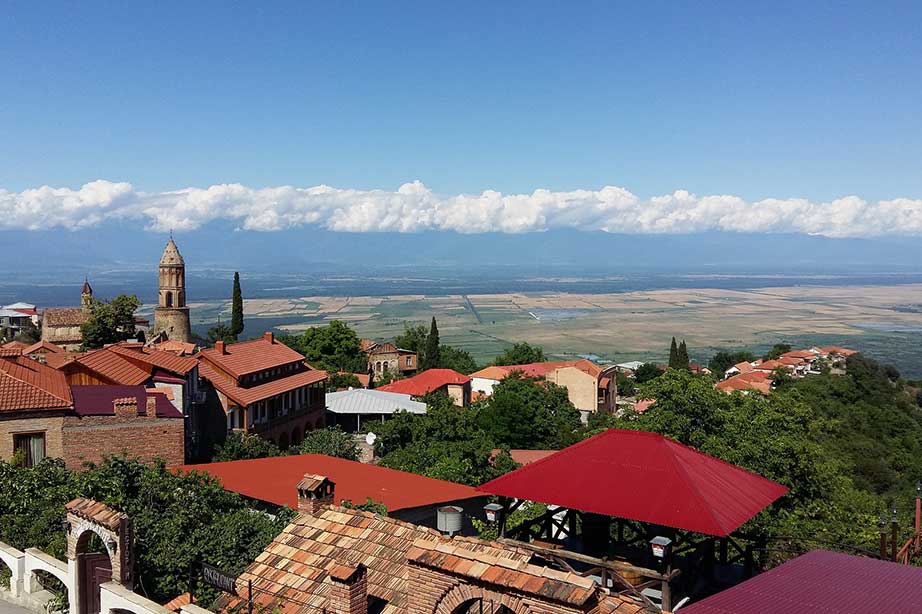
(251, 356)
(97, 512)
(114, 367)
(63, 316)
(158, 358)
(26, 384)
(43, 346)
(423, 383)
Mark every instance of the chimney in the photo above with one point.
(126, 407)
(268, 336)
(219, 347)
(151, 406)
(315, 492)
(348, 590)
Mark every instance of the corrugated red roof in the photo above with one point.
(27, 384)
(247, 396)
(423, 383)
(251, 356)
(822, 581)
(275, 480)
(646, 477)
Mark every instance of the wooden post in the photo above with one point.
(918, 523)
(893, 538)
(883, 541)
(502, 516)
(249, 597)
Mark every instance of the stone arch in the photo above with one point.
(461, 598)
(169, 299)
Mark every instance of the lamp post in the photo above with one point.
(918, 525)
(882, 526)
(893, 530)
(661, 548)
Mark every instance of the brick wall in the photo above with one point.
(31, 423)
(91, 438)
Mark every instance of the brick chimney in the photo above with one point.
(348, 590)
(151, 406)
(219, 347)
(315, 492)
(268, 336)
(126, 407)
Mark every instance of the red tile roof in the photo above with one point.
(805, 354)
(251, 356)
(835, 349)
(645, 477)
(822, 581)
(114, 367)
(14, 345)
(754, 380)
(423, 383)
(538, 369)
(177, 347)
(59, 360)
(291, 573)
(26, 384)
(275, 480)
(177, 603)
(10, 352)
(96, 512)
(247, 396)
(63, 316)
(526, 457)
(43, 346)
(157, 358)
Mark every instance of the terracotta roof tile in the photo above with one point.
(423, 383)
(28, 384)
(114, 367)
(43, 346)
(95, 511)
(251, 356)
(63, 316)
(158, 358)
(247, 396)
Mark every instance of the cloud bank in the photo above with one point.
(414, 207)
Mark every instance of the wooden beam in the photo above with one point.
(618, 566)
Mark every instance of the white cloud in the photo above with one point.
(414, 207)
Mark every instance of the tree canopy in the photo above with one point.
(432, 358)
(723, 360)
(109, 322)
(777, 350)
(331, 441)
(417, 339)
(646, 372)
(520, 354)
(236, 324)
(334, 347)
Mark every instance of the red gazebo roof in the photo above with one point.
(645, 477)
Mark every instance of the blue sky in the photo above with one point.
(755, 100)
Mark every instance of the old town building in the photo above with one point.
(440, 381)
(41, 415)
(172, 314)
(388, 358)
(265, 387)
(61, 325)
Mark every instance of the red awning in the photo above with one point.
(645, 477)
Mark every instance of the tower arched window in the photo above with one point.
(169, 299)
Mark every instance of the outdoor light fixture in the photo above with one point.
(919, 488)
(661, 547)
(882, 522)
(893, 516)
(492, 511)
(113, 545)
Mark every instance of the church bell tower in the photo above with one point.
(171, 315)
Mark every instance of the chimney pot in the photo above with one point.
(268, 336)
(151, 406)
(315, 492)
(349, 589)
(219, 346)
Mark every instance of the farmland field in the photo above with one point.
(884, 321)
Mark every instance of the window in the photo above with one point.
(32, 447)
(409, 361)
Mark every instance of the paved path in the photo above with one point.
(8, 608)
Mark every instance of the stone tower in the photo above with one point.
(86, 295)
(171, 315)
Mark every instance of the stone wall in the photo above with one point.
(49, 425)
(90, 438)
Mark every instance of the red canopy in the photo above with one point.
(646, 477)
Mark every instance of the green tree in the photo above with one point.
(723, 360)
(342, 381)
(331, 441)
(239, 446)
(457, 359)
(520, 354)
(673, 355)
(524, 413)
(432, 356)
(370, 505)
(625, 384)
(646, 372)
(29, 333)
(109, 322)
(334, 347)
(236, 325)
(221, 332)
(682, 361)
(413, 338)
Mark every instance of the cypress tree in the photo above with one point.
(673, 355)
(682, 356)
(432, 346)
(236, 323)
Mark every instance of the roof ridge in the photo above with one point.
(666, 441)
